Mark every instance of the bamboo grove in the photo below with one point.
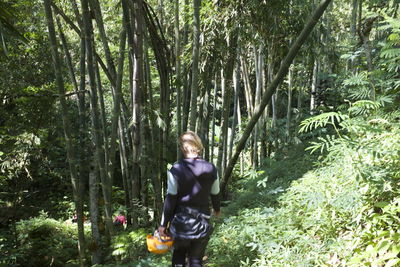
(132, 75)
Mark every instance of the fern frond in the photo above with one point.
(390, 53)
(367, 104)
(394, 37)
(324, 144)
(384, 27)
(357, 79)
(379, 121)
(390, 23)
(364, 107)
(385, 99)
(322, 120)
(360, 93)
(392, 116)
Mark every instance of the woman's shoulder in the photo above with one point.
(176, 165)
(198, 161)
(208, 166)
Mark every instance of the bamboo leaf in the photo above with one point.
(392, 262)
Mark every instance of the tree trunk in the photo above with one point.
(283, 69)
(178, 78)
(117, 93)
(95, 7)
(259, 65)
(161, 12)
(94, 216)
(289, 104)
(154, 168)
(203, 122)
(206, 118)
(212, 137)
(300, 100)
(236, 112)
(136, 103)
(299, 103)
(247, 87)
(124, 168)
(162, 56)
(353, 31)
(265, 115)
(98, 139)
(103, 116)
(67, 133)
(185, 74)
(68, 57)
(226, 84)
(314, 83)
(274, 99)
(195, 65)
(125, 120)
(364, 32)
(239, 120)
(75, 9)
(221, 138)
(353, 24)
(145, 166)
(185, 101)
(274, 103)
(80, 92)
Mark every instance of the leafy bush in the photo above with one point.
(46, 242)
(130, 248)
(344, 212)
(129, 245)
(237, 236)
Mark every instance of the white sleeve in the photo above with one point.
(215, 186)
(172, 184)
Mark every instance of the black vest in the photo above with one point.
(195, 178)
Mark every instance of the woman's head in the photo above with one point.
(190, 144)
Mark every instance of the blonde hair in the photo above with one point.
(190, 142)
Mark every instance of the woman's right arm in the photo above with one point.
(215, 197)
(169, 203)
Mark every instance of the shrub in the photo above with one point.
(46, 242)
(344, 212)
(130, 248)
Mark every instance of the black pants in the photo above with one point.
(192, 249)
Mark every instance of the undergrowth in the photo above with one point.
(341, 209)
(42, 241)
(344, 212)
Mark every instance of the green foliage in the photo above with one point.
(130, 245)
(32, 158)
(364, 107)
(237, 236)
(130, 248)
(14, 163)
(357, 86)
(44, 242)
(342, 213)
(357, 79)
(322, 120)
(390, 52)
(323, 144)
(7, 28)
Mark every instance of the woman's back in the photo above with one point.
(194, 179)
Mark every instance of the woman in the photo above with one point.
(186, 209)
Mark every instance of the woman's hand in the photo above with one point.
(162, 231)
(217, 214)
